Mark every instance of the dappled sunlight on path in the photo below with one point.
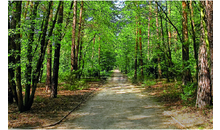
(119, 105)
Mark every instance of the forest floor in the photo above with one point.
(184, 112)
(45, 110)
(117, 104)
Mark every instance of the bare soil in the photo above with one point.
(46, 110)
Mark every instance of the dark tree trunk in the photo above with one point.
(28, 72)
(195, 44)
(17, 19)
(158, 45)
(136, 49)
(209, 13)
(57, 53)
(79, 34)
(148, 41)
(73, 49)
(141, 58)
(49, 58)
(36, 72)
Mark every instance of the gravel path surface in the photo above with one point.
(119, 105)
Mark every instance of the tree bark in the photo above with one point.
(195, 44)
(49, 58)
(141, 58)
(16, 20)
(136, 48)
(79, 34)
(209, 13)
(28, 72)
(148, 41)
(73, 66)
(158, 45)
(204, 88)
(43, 43)
(185, 47)
(57, 53)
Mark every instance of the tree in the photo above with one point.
(204, 86)
(49, 53)
(73, 49)
(57, 52)
(185, 47)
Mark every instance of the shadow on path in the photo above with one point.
(119, 105)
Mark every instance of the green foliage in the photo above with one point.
(188, 91)
(148, 83)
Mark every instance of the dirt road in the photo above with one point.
(119, 105)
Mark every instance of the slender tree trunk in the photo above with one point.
(28, 72)
(43, 43)
(79, 34)
(195, 44)
(93, 51)
(16, 19)
(169, 44)
(11, 57)
(148, 41)
(204, 88)
(185, 47)
(57, 53)
(165, 55)
(141, 58)
(49, 58)
(209, 13)
(73, 37)
(158, 45)
(99, 57)
(136, 48)
(81, 48)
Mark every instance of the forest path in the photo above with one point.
(119, 105)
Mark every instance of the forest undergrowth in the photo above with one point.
(46, 110)
(181, 108)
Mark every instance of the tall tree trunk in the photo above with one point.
(141, 58)
(136, 49)
(209, 13)
(93, 50)
(158, 45)
(81, 47)
(11, 57)
(165, 48)
(49, 58)
(28, 72)
(73, 37)
(185, 47)
(169, 44)
(99, 57)
(148, 41)
(79, 34)
(204, 88)
(16, 19)
(57, 53)
(195, 44)
(43, 43)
